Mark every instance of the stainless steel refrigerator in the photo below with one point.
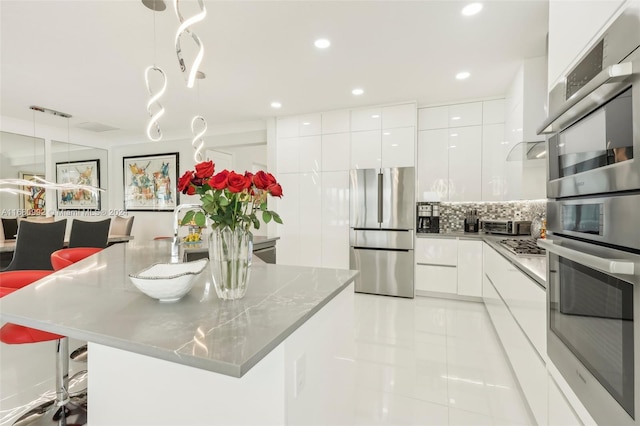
(381, 235)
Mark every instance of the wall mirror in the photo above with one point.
(22, 157)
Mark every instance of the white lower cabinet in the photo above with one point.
(449, 266)
(560, 411)
(529, 368)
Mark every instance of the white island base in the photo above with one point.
(309, 378)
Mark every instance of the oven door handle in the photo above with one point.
(611, 266)
(574, 108)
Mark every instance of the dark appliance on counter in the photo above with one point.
(507, 226)
(427, 217)
(593, 239)
(381, 235)
(471, 221)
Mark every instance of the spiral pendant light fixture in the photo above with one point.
(198, 141)
(185, 28)
(154, 107)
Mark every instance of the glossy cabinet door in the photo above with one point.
(288, 155)
(493, 111)
(470, 268)
(336, 121)
(465, 163)
(529, 367)
(335, 219)
(436, 265)
(310, 207)
(366, 119)
(467, 114)
(287, 127)
(288, 207)
(433, 118)
(493, 162)
(399, 116)
(310, 154)
(310, 124)
(560, 411)
(398, 147)
(433, 165)
(336, 151)
(366, 150)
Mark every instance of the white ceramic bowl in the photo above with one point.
(168, 282)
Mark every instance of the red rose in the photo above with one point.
(185, 181)
(275, 190)
(238, 183)
(263, 180)
(191, 190)
(205, 169)
(249, 176)
(219, 181)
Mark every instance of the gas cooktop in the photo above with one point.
(523, 247)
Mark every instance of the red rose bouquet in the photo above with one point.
(228, 198)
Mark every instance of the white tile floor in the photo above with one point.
(423, 362)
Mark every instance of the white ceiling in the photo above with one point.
(87, 58)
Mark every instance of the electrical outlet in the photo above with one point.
(299, 374)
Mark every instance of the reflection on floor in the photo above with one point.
(423, 361)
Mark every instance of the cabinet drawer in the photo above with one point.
(442, 279)
(434, 251)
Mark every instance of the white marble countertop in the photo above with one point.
(534, 266)
(94, 300)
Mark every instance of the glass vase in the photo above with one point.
(230, 253)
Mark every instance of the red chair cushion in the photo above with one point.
(14, 334)
(65, 257)
(6, 290)
(19, 279)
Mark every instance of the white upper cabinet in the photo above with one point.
(336, 121)
(465, 163)
(398, 147)
(287, 127)
(366, 150)
(366, 119)
(310, 124)
(493, 111)
(493, 162)
(399, 116)
(287, 155)
(433, 118)
(433, 165)
(310, 154)
(336, 151)
(469, 114)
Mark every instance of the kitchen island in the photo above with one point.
(259, 360)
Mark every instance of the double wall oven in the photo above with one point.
(593, 222)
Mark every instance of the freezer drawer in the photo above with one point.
(385, 272)
(382, 239)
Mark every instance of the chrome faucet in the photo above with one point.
(175, 245)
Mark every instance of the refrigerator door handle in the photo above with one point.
(379, 197)
(380, 249)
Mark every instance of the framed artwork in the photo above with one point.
(34, 203)
(81, 173)
(150, 182)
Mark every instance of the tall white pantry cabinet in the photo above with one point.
(314, 154)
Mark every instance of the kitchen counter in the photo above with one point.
(534, 266)
(94, 300)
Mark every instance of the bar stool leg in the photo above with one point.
(63, 410)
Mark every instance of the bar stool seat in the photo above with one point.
(65, 409)
(66, 257)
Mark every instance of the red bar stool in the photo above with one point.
(71, 409)
(65, 257)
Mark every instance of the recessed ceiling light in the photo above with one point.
(375, 116)
(471, 9)
(452, 146)
(386, 133)
(357, 91)
(306, 123)
(322, 43)
(463, 75)
(453, 135)
(394, 144)
(276, 105)
(455, 118)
